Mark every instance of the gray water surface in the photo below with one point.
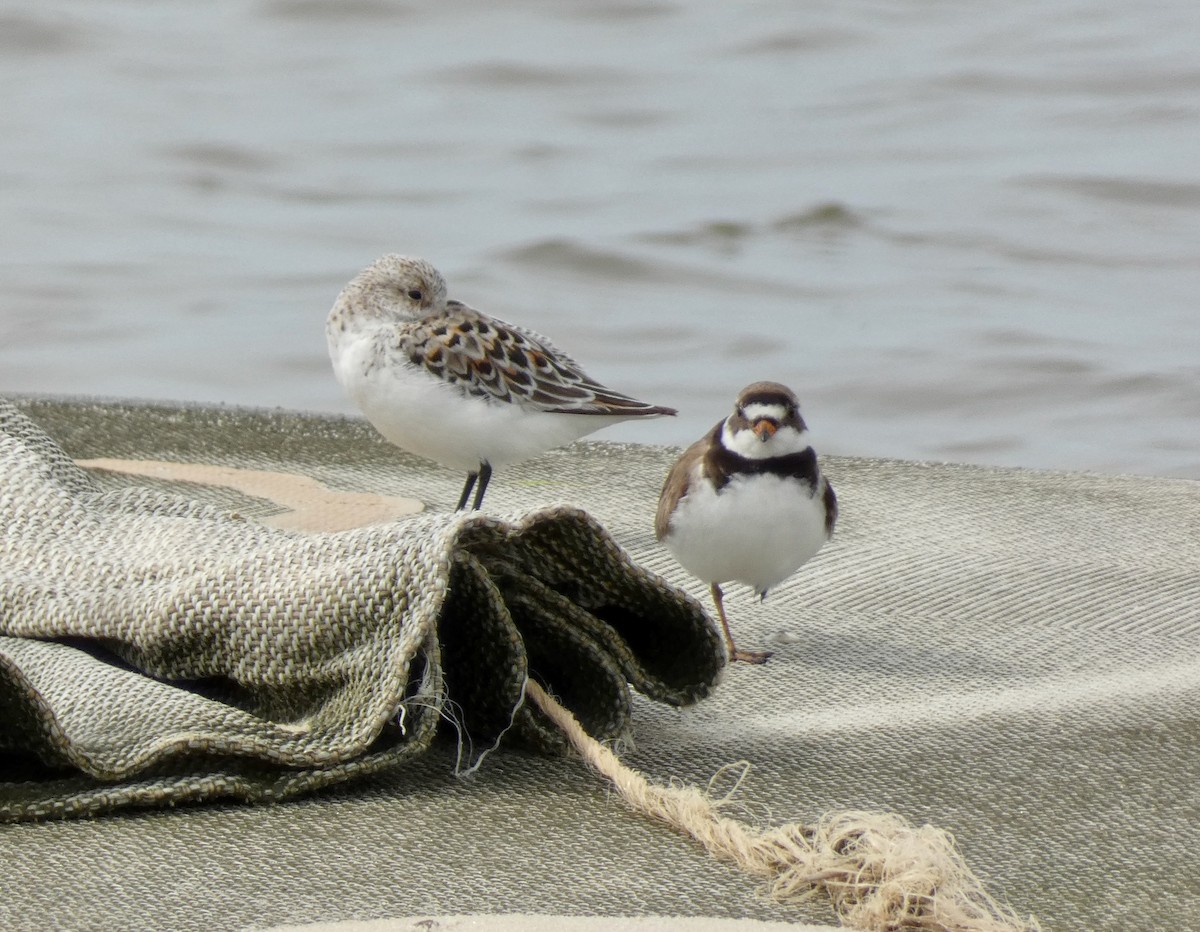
(960, 232)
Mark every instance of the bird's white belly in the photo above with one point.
(418, 413)
(758, 530)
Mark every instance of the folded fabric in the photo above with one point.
(156, 649)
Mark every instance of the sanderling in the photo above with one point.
(454, 385)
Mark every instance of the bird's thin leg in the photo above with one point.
(748, 656)
(485, 475)
(718, 598)
(466, 492)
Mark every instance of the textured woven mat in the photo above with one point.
(156, 649)
(1011, 655)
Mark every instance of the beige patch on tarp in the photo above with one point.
(311, 505)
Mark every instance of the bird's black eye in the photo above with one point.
(415, 294)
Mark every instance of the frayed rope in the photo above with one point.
(880, 872)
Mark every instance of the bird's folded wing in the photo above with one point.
(490, 358)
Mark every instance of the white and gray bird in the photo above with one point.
(451, 384)
(748, 502)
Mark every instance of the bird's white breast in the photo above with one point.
(418, 412)
(758, 530)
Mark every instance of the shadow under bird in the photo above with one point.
(451, 384)
(748, 502)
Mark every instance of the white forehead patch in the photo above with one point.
(752, 412)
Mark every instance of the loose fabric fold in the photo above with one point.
(156, 650)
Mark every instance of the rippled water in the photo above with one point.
(960, 232)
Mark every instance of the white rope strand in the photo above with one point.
(880, 872)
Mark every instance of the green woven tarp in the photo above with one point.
(1010, 655)
(156, 649)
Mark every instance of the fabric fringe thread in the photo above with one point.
(880, 872)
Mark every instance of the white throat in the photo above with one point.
(783, 442)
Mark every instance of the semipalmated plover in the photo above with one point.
(453, 385)
(748, 502)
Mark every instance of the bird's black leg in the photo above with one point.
(485, 475)
(466, 492)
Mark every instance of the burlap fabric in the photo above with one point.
(1010, 655)
(155, 649)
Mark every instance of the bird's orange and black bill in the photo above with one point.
(764, 428)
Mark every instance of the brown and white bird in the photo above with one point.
(456, 386)
(748, 503)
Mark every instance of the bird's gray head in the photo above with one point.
(766, 422)
(393, 288)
